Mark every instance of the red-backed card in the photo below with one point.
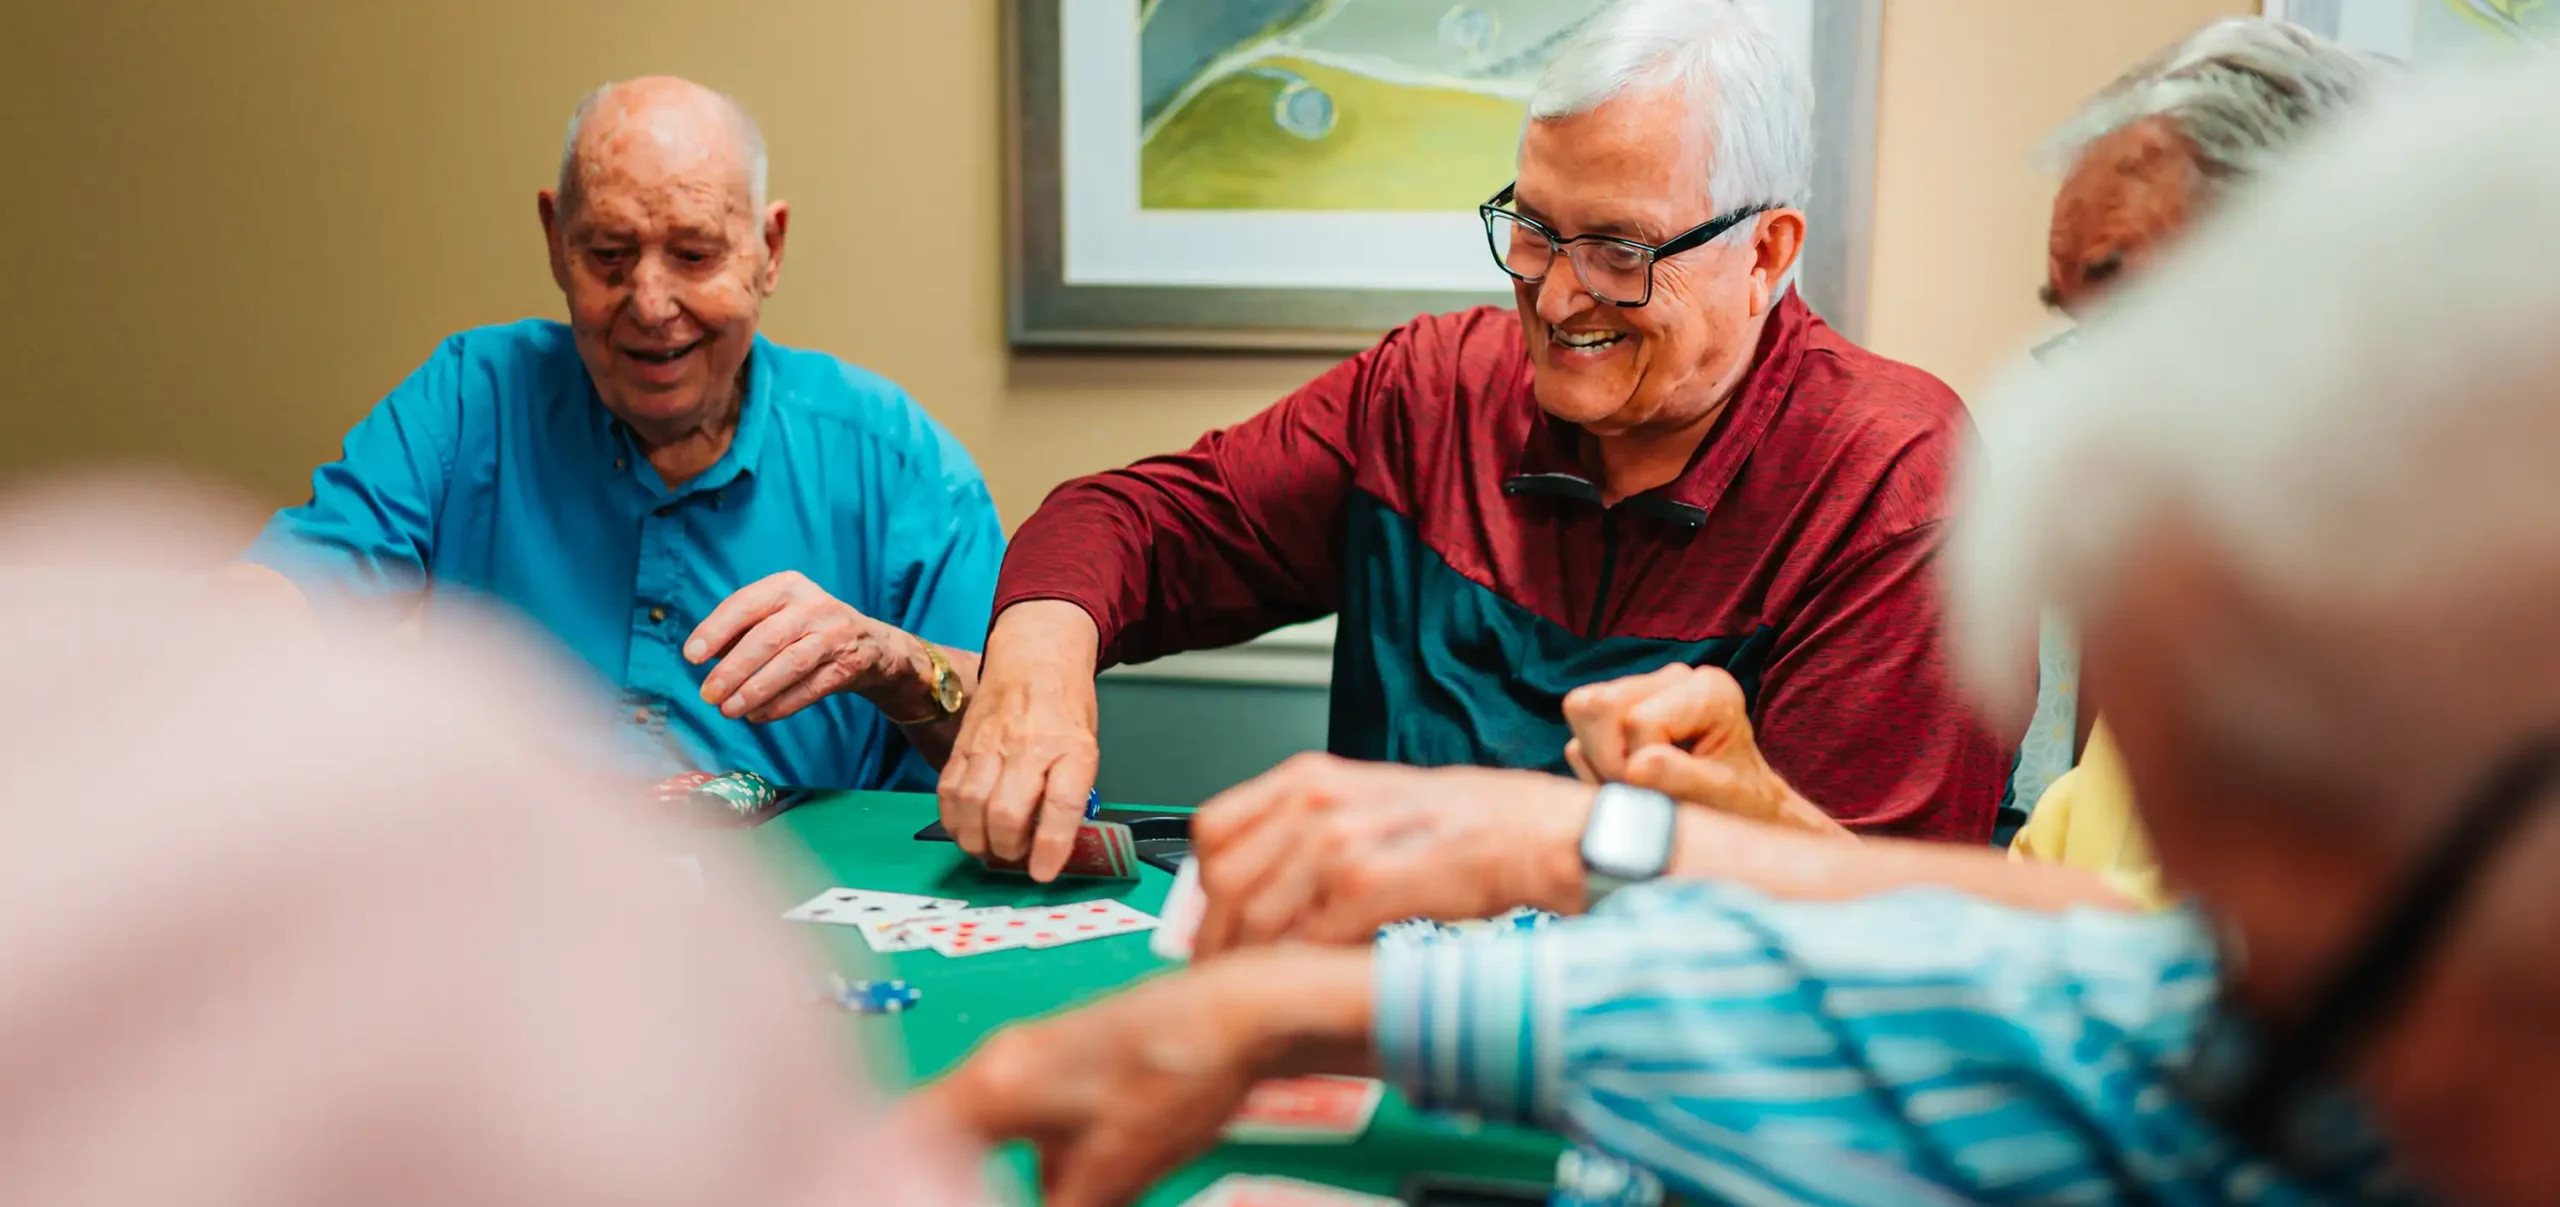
(1105, 850)
(1306, 1110)
(1252, 1190)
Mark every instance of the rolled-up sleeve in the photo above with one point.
(1903, 1048)
(1470, 1025)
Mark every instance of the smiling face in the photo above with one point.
(660, 255)
(1632, 168)
(2127, 195)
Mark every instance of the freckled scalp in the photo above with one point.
(673, 125)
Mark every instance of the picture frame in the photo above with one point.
(2415, 31)
(1054, 45)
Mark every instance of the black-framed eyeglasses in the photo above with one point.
(1616, 271)
(2272, 1082)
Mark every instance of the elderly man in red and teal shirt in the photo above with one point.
(1659, 455)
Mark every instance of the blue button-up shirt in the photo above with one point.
(495, 469)
(1917, 1047)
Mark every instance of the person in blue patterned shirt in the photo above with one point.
(2314, 557)
(777, 558)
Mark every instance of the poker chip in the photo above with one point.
(1585, 1178)
(876, 997)
(1092, 803)
(739, 795)
(743, 793)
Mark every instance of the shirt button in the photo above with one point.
(621, 463)
(657, 614)
(640, 715)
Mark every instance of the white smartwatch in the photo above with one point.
(1628, 839)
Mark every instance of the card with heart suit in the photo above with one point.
(965, 931)
(1183, 906)
(1104, 850)
(1077, 921)
(972, 941)
(1306, 1110)
(854, 906)
(1254, 1190)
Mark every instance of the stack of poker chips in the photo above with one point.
(740, 796)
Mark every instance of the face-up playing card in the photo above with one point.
(1075, 922)
(853, 906)
(1253, 1190)
(1104, 850)
(1183, 906)
(1306, 1110)
(998, 930)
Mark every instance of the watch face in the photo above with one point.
(1630, 833)
(946, 692)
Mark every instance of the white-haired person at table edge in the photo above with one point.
(778, 558)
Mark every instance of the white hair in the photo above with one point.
(2240, 90)
(2358, 429)
(1750, 100)
(749, 135)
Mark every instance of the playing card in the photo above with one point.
(852, 906)
(1075, 922)
(1306, 1110)
(969, 932)
(1183, 906)
(1104, 850)
(969, 939)
(1254, 1190)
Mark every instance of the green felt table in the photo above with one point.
(866, 840)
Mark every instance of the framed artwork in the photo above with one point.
(1304, 174)
(2420, 31)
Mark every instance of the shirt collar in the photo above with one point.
(746, 445)
(1550, 462)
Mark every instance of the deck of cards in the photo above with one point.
(893, 922)
(1306, 1110)
(1104, 850)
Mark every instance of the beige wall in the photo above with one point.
(233, 225)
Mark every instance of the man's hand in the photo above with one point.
(1683, 731)
(1028, 747)
(785, 644)
(1118, 1094)
(1326, 850)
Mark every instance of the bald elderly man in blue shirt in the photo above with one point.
(773, 555)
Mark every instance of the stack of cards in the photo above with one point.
(1306, 1110)
(892, 922)
(1254, 1190)
(1104, 850)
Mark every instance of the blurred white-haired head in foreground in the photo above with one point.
(293, 919)
(2302, 490)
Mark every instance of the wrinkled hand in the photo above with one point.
(1326, 850)
(785, 644)
(1028, 748)
(1118, 1094)
(1683, 731)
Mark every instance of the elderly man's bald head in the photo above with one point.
(668, 119)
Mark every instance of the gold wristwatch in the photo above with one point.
(948, 696)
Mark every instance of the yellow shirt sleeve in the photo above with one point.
(2087, 820)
